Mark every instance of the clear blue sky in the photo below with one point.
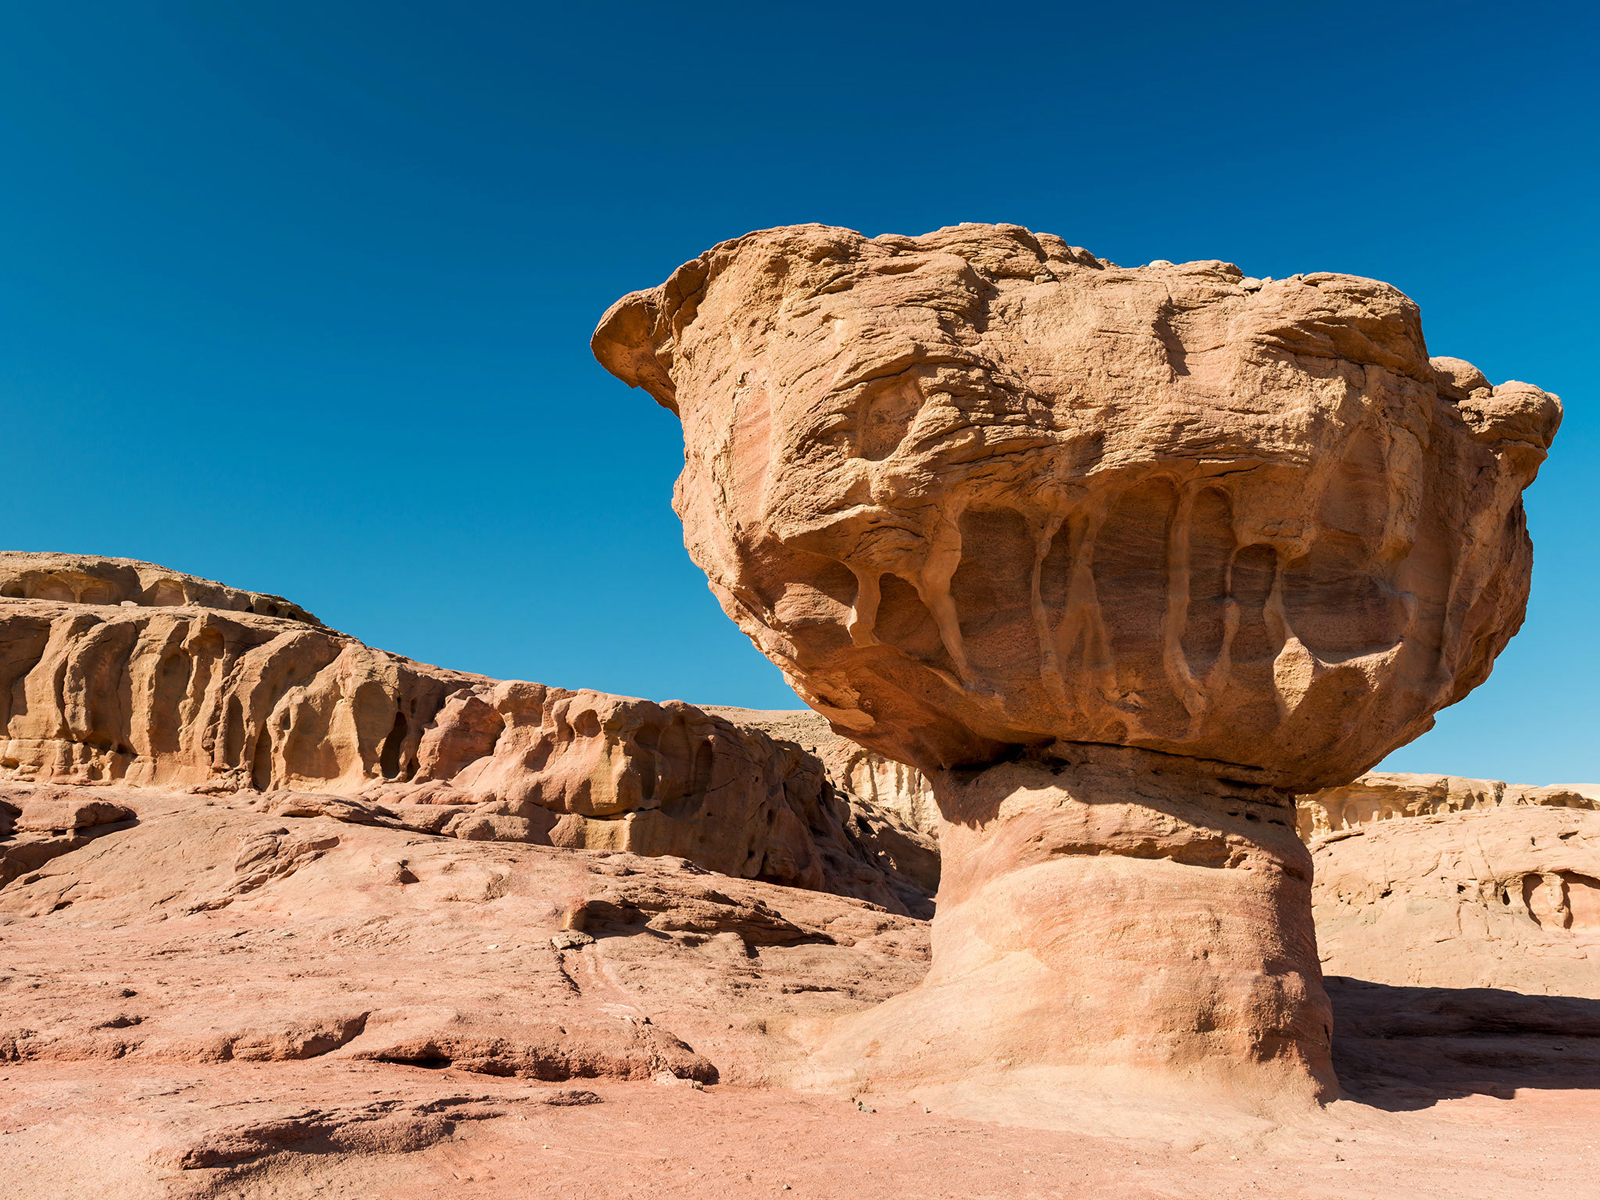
(298, 295)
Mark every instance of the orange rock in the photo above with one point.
(1170, 543)
(64, 815)
(114, 671)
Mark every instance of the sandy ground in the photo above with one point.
(217, 1002)
(110, 1131)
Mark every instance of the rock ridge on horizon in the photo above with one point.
(119, 672)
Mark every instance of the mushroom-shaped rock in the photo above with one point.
(1123, 559)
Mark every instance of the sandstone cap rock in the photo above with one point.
(980, 490)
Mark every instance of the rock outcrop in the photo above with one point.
(121, 672)
(85, 579)
(1463, 942)
(1121, 560)
(885, 784)
(1384, 796)
(239, 934)
(301, 1004)
(1503, 897)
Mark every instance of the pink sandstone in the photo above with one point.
(1121, 559)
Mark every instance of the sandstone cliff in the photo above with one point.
(1499, 897)
(883, 783)
(114, 671)
(1383, 796)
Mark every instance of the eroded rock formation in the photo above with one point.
(1501, 897)
(85, 579)
(1384, 796)
(1121, 559)
(121, 672)
(885, 784)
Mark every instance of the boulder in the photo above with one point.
(1121, 560)
(44, 815)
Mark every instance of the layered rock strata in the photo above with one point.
(120, 672)
(239, 936)
(1504, 897)
(1384, 796)
(86, 579)
(1121, 560)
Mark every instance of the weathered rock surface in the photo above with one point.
(885, 784)
(1383, 796)
(86, 579)
(237, 934)
(224, 1000)
(1502, 897)
(1168, 544)
(1075, 944)
(981, 489)
(119, 672)
(1463, 944)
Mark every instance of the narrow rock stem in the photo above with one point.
(1117, 918)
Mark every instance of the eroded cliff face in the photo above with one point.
(120, 672)
(980, 489)
(1384, 796)
(85, 579)
(1503, 896)
(883, 783)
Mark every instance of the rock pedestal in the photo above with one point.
(1118, 918)
(1122, 560)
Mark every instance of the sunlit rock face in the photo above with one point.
(980, 489)
(1122, 560)
(114, 671)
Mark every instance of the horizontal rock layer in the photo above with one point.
(1384, 796)
(84, 579)
(1064, 949)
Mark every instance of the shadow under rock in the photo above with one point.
(1401, 1048)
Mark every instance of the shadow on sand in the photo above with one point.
(1401, 1048)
